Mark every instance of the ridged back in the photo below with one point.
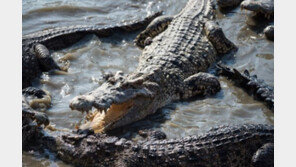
(184, 44)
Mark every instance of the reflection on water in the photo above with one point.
(92, 57)
(42, 14)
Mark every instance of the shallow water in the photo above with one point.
(93, 57)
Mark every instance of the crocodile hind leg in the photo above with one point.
(264, 157)
(200, 84)
(157, 26)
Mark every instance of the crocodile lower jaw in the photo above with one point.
(100, 120)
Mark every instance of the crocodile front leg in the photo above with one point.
(157, 26)
(46, 62)
(200, 84)
(216, 36)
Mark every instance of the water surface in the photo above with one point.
(93, 57)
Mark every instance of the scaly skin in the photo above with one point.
(36, 57)
(170, 69)
(265, 7)
(30, 97)
(261, 7)
(29, 115)
(241, 145)
(157, 26)
(221, 146)
(251, 84)
(62, 37)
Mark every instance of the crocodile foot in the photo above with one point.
(157, 26)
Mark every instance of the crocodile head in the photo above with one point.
(265, 7)
(117, 102)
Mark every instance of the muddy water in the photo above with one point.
(92, 57)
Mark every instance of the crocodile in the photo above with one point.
(173, 67)
(32, 112)
(259, 7)
(236, 145)
(265, 7)
(34, 102)
(250, 83)
(36, 46)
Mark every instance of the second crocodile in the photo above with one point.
(251, 84)
(36, 46)
(259, 7)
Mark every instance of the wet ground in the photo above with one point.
(93, 57)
